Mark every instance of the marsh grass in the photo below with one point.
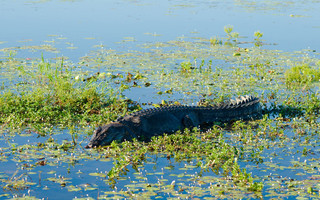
(302, 75)
(52, 96)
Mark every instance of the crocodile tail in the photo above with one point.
(242, 108)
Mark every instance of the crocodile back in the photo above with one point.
(242, 108)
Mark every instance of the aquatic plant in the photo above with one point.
(228, 29)
(302, 74)
(49, 108)
(57, 98)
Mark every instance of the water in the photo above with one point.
(292, 25)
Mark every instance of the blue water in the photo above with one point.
(291, 25)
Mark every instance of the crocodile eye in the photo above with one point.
(99, 129)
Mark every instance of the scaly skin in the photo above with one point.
(147, 123)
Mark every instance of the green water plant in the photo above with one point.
(228, 29)
(186, 66)
(209, 149)
(55, 97)
(17, 182)
(302, 75)
(216, 41)
(242, 178)
(257, 36)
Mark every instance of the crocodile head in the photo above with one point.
(106, 134)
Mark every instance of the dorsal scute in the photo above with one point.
(241, 101)
(119, 119)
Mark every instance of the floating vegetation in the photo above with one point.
(45, 47)
(49, 108)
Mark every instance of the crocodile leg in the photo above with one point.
(190, 120)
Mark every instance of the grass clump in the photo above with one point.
(49, 106)
(302, 74)
(55, 98)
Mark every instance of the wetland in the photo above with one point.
(63, 75)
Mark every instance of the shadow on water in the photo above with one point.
(283, 111)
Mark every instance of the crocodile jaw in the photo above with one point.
(104, 135)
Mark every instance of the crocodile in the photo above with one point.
(151, 122)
